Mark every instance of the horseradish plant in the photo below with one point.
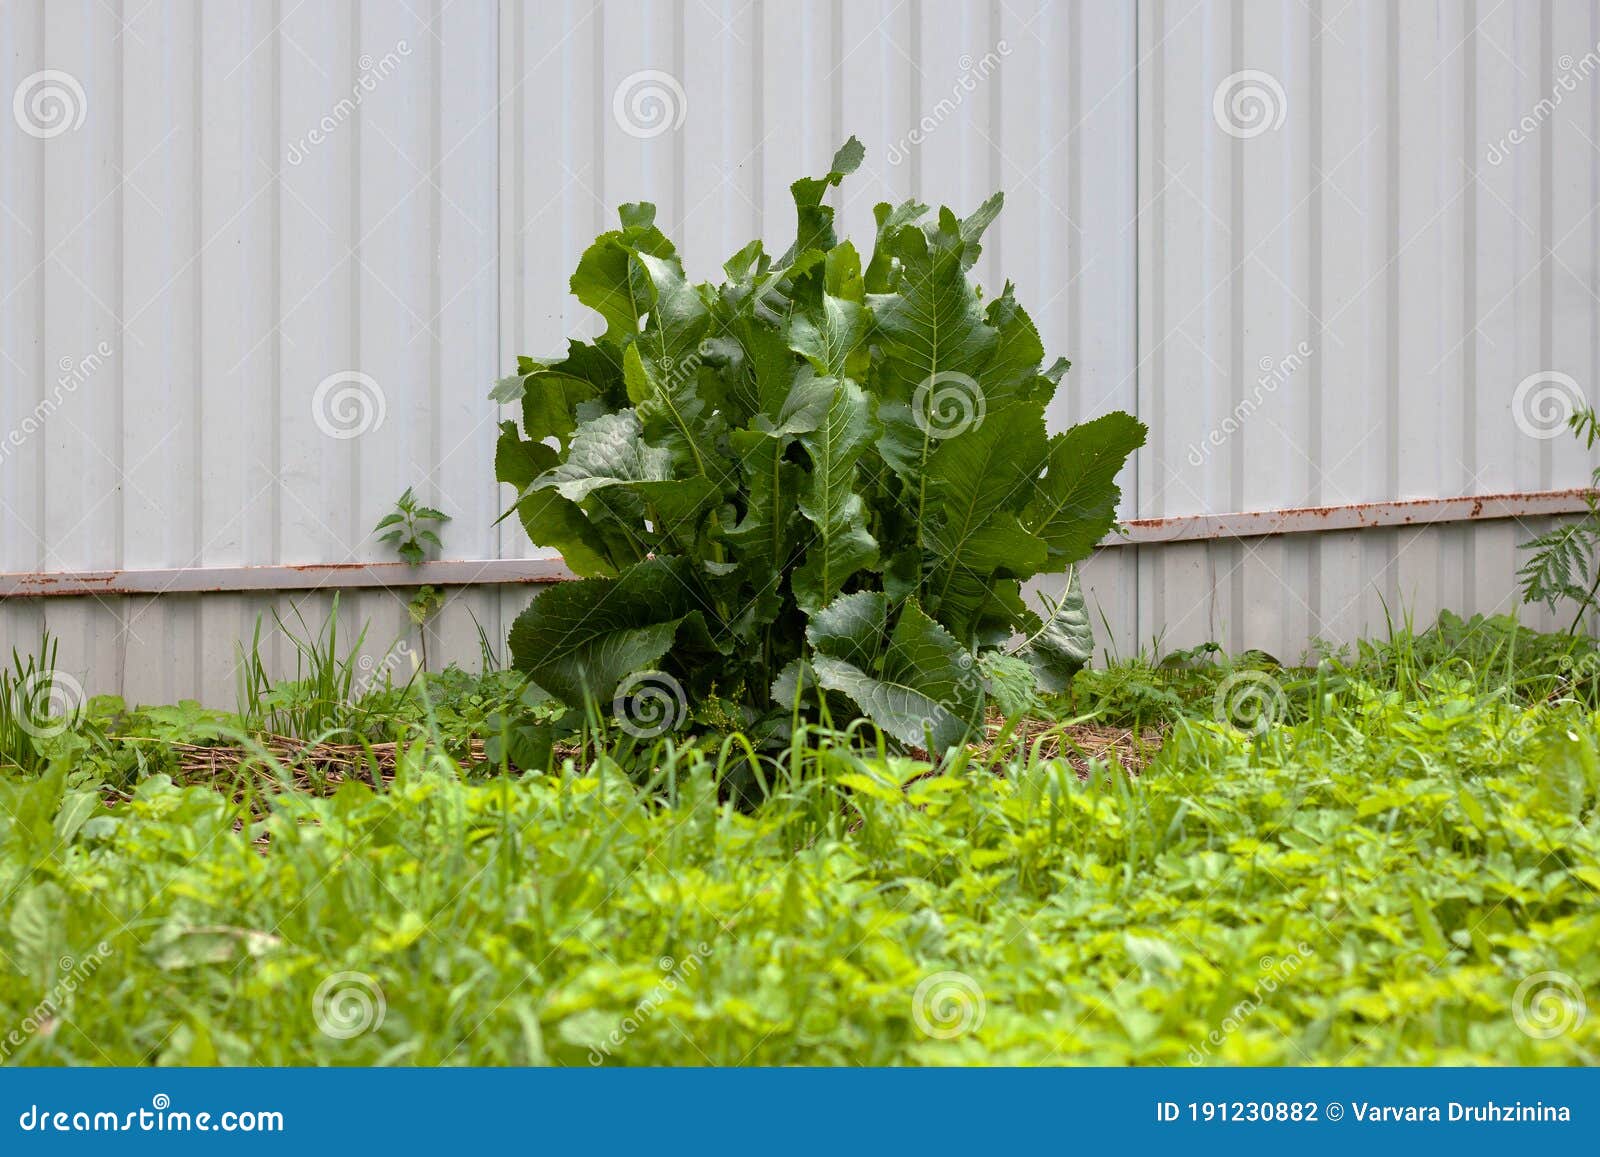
(816, 487)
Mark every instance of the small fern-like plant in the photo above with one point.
(1563, 563)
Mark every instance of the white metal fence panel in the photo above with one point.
(260, 262)
(1381, 183)
(265, 266)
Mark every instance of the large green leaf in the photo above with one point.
(815, 226)
(933, 345)
(553, 521)
(578, 640)
(553, 393)
(1012, 684)
(756, 363)
(802, 410)
(609, 278)
(608, 455)
(671, 412)
(1075, 503)
(972, 580)
(932, 325)
(549, 518)
(1013, 373)
(972, 228)
(772, 487)
(764, 537)
(975, 481)
(904, 446)
(926, 690)
(1065, 643)
(841, 273)
(881, 271)
(842, 544)
(851, 628)
(607, 451)
(677, 322)
(517, 460)
(826, 335)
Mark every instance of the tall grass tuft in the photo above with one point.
(320, 701)
(25, 698)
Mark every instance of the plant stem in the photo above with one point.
(1588, 602)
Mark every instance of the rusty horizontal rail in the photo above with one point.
(489, 572)
(306, 577)
(1356, 516)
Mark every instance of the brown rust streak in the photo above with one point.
(1362, 509)
(1358, 515)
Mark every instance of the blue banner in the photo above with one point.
(706, 1111)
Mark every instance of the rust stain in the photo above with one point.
(323, 567)
(1354, 516)
(52, 580)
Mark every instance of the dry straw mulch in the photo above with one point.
(321, 768)
(1078, 744)
(312, 767)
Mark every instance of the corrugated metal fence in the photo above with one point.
(260, 262)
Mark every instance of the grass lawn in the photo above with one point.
(1399, 865)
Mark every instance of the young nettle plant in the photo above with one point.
(816, 487)
(409, 529)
